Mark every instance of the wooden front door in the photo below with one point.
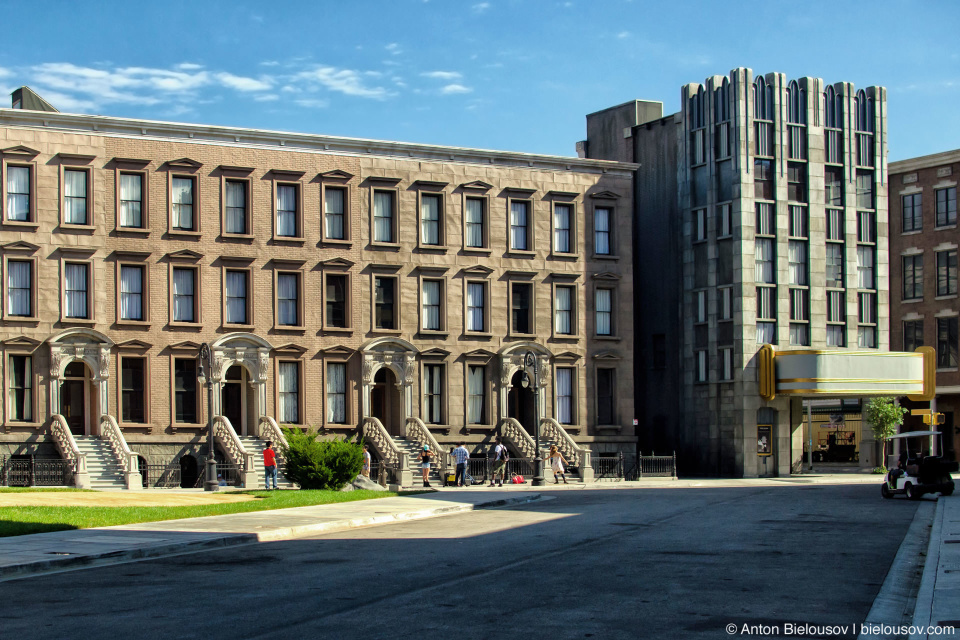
(72, 406)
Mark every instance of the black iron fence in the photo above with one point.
(31, 471)
(161, 476)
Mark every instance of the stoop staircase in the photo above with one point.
(413, 448)
(256, 447)
(105, 472)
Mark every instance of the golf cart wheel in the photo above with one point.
(912, 492)
(948, 490)
(885, 491)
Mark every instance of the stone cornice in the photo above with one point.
(923, 162)
(155, 130)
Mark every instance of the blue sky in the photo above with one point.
(497, 74)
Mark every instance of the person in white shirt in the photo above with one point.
(461, 455)
(366, 461)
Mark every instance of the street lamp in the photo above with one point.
(530, 361)
(210, 483)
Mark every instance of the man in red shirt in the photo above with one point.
(270, 465)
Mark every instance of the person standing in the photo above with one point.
(556, 463)
(425, 456)
(365, 470)
(461, 455)
(500, 457)
(270, 465)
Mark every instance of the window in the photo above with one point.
(75, 196)
(700, 225)
(288, 390)
(724, 222)
(836, 228)
(797, 182)
(606, 385)
(833, 186)
(866, 227)
(913, 335)
(430, 219)
(432, 300)
(766, 221)
(702, 366)
(563, 310)
(602, 218)
(236, 285)
(865, 190)
(131, 293)
(520, 225)
(865, 271)
(726, 360)
(834, 270)
(946, 206)
(183, 198)
(433, 393)
(913, 277)
(476, 394)
(475, 223)
(947, 272)
(287, 211)
(334, 211)
(185, 390)
(132, 399)
(19, 200)
(763, 260)
(912, 212)
(867, 307)
(763, 179)
(766, 333)
(383, 217)
(797, 250)
(604, 311)
(336, 301)
(337, 392)
(20, 288)
(521, 310)
(385, 316)
(288, 300)
(235, 221)
(75, 286)
(132, 201)
(562, 225)
(836, 306)
(798, 221)
(799, 334)
(946, 343)
(184, 295)
(835, 336)
(20, 382)
(476, 306)
(766, 303)
(565, 381)
(701, 306)
(726, 303)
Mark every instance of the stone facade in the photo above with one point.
(59, 149)
(923, 296)
(758, 161)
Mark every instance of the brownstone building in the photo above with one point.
(923, 275)
(353, 285)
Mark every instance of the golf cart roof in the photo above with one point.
(913, 434)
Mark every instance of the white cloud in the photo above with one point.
(5, 73)
(345, 81)
(394, 48)
(442, 75)
(269, 63)
(241, 83)
(480, 7)
(312, 103)
(451, 89)
(189, 66)
(266, 97)
(623, 35)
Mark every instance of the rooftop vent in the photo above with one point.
(27, 98)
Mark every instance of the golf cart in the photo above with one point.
(917, 473)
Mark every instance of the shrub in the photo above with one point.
(320, 464)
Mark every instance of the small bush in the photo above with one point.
(320, 464)
(879, 470)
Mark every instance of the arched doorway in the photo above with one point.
(385, 402)
(520, 403)
(235, 400)
(77, 403)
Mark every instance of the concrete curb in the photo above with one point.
(224, 540)
(923, 612)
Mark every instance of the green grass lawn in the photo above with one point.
(16, 521)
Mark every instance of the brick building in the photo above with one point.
(924, 306)
(352, 285)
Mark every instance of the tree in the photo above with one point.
(884, 416)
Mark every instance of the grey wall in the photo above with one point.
(605, 129)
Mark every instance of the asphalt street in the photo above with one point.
(650, 563)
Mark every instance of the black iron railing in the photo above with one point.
(161, 476)
(35, 472)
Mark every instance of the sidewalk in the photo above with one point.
(63, 550)
(938, 600)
